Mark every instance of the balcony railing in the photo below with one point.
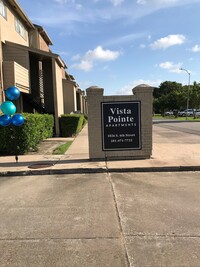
(16, 75)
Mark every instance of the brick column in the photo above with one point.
(144, 93)
(94, 99)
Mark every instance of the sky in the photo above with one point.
(119, 44)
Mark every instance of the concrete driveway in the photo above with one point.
(160, 218)
(97, 220)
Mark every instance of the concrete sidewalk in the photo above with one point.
(172, 151)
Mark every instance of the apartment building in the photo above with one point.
(27, 62)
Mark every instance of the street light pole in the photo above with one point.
(188, 91)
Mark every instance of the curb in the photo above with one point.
(100, 170)
(52, 172)
(157, 169)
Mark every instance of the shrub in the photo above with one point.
(84, 120)
(17, 140)
(71, 124)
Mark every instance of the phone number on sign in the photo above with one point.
(121, 140)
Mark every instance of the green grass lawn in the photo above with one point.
(62, 148)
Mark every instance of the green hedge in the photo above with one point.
(71, 124)
(17, 140)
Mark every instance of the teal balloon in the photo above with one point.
(5, 120)
(17, 119)
(8, 108)
(12, 93)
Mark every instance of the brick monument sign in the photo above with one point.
(120, 127)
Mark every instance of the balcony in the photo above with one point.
(16, 75)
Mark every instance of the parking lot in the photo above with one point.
(115, 220)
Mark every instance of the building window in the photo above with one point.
(3, 11)
(19, 27)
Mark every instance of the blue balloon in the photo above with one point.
(8, 108)
(12, 93)
(17, 119)
(5, 120)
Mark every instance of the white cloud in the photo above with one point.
(117, 2)
(57, 17)
(170, 66)
(92, 56)
(99, 54)
(196, 48)
(85, 65)
(127, 89)
(170, 40)
(123, 39)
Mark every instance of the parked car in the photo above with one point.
(169, 113)
(188, 112)
(180, 113)
(197, 113)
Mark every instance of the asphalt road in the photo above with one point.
(100, 220)
(189, 127)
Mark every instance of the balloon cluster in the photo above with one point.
(9, 109)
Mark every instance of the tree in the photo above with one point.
(167, 97)
(194, 96)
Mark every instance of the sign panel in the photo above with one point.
(121, 125)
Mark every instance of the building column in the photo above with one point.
(94, 99)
